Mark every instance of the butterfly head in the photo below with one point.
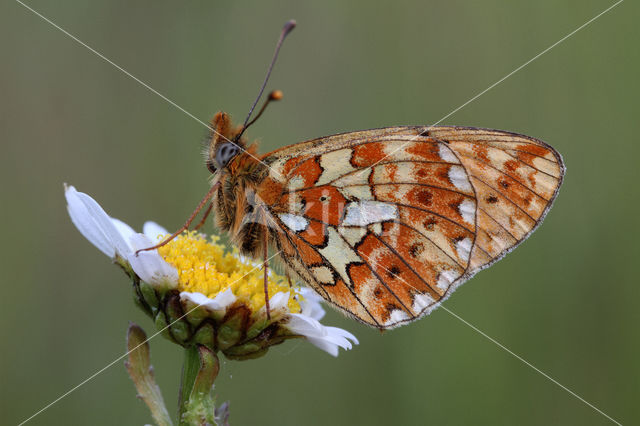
(223, 144)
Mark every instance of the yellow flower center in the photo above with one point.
(204, 267)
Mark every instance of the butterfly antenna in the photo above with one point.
(290, 25)
(275, 95)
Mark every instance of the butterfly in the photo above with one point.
(384, 224)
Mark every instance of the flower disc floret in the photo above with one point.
(204, 267)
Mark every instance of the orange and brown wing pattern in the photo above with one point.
(516, 179)
(385, 223)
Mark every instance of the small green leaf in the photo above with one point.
(141, 372)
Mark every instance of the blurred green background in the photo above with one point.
(567, 300)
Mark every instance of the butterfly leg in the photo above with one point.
(289, 280)
(204, 217)
(266, 276)
(206, 198)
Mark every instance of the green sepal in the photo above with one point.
(149, 295)
(246, 352)
(257, 347)
(139, 299)
(161, 325)
(233, 329)
(256, 328)
(196, 314)
(179, 327)
(124, 264)
(206, 335)
(141, 372)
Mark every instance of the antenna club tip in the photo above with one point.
(276, 95)
(291, 24)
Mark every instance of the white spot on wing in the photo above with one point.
(463, 247)
(422, 301)
(363, 213)
(447, 277)
(459, 179)
(446, 154)
(397, 316)
(294, 222)
(467, 210)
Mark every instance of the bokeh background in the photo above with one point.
(567, 300)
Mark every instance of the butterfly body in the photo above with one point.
(385, 223)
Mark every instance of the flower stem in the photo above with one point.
(190, 369)
(197, 402)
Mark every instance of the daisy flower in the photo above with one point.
(198, 293)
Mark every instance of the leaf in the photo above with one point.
(141, 372)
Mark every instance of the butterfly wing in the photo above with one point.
(386, 223)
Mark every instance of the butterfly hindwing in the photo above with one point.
(386, 223)
(516, 179)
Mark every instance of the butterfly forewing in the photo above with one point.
(386, 223)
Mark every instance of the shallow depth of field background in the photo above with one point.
(567, 300)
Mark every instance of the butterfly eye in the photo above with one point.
(225, 153)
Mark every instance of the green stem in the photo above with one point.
(190, 370)
(197, 401)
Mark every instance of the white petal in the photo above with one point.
(278, 301)
(325, 338)
(103, 221)
(149, 265)
(218, 303)
(330, 348)
(125, 230)
(304, 325)
(86, 224)
(154, 231)
(334, 337)
(94, 223)
(342, 335)
(310, 304)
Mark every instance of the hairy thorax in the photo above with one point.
(239, 210)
